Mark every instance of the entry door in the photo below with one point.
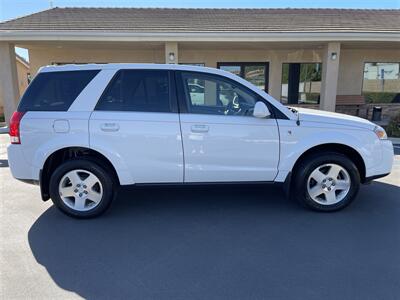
(222, 140)
(254, 72)
(136, 125)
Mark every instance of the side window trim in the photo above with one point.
(108, 87)
(173, 94)
(172, 90)
(182, 101)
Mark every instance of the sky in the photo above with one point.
(10, 9)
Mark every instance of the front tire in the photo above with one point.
(81, 188)
(326, 182)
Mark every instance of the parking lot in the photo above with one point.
(244, 242)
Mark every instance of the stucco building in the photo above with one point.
(23, 75)
(334, 59)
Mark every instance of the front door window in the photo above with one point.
(208, 94)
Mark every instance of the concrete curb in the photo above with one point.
(395, 140)
(3, 129)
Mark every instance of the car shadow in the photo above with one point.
(235, 242)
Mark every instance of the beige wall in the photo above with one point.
(274, 57)
(42, 57)
(22, 71)
(350, 68)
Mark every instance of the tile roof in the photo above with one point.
(140, 20)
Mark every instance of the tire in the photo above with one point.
(316, 187)
(81, 188)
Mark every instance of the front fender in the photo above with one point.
(295, 140)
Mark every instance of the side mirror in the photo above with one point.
(261, 110)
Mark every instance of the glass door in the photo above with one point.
(256, 73)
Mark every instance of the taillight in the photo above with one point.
(14, 127)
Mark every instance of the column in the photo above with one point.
(330, 74)
(275, 77)
(171, 52)
(8, 79)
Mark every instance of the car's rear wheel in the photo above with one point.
(326, 182)
(81, 188)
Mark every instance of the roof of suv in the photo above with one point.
(117, 66)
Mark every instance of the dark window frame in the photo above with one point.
(242, 66)
(183, 99)
(172, 92)
(192, 64)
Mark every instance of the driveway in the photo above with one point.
(244, 242)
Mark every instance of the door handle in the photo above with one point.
(200, 128)
(109, 127)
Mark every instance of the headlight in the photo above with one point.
(380, 133)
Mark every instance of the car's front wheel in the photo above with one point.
(81, 188)
(326, 182)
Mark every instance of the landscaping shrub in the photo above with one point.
(393, 128)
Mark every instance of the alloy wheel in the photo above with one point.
(80, 190)
(328, 184)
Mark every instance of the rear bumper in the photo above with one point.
(20, 168)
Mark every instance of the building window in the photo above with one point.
(381, 82)
(193, 64)
(256, 73)
(301, 83)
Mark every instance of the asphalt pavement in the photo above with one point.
(237, 242)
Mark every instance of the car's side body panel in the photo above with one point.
(43, 133)
(145, 148)
(231, 148)
(295, 140)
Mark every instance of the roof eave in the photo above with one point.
(292, 36)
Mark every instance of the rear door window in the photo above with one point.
(55, 91)
(137, 90)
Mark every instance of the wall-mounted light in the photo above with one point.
(171, 56)
(333, 55)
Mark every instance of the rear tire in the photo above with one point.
(326, 181)
(81, 188)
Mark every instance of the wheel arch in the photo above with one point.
(346, 150)
(61, 155)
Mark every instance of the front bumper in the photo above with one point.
(384, 167)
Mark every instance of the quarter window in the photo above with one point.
(209, 94)
(137, 90)
(55, 91)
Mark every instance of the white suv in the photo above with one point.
(81, 131)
